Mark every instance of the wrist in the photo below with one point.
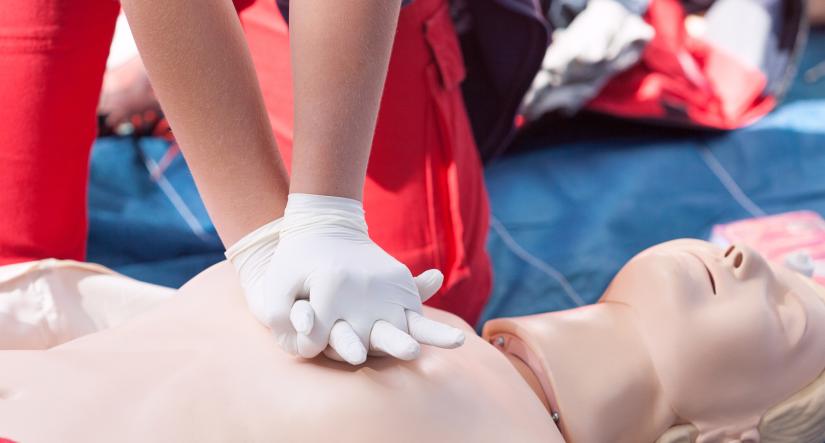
(313, 212)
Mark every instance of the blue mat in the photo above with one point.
(567, 217)
(153, 230)
(568, 214)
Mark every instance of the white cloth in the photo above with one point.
(123, 46)
(48, 302)
(602, 41)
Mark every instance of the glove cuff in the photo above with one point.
(250, 254)
(310, 212)
(313, 204)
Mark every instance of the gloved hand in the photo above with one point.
(316, 279)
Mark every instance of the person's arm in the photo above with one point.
(359, 297)
(340, 53)
(201, 70)
(351, 294)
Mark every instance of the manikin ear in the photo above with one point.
(750, 435)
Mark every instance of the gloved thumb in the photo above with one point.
(428, 283)
(302, 317)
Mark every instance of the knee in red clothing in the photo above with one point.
(52, 57)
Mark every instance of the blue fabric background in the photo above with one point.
(583, 208)
(133, 226)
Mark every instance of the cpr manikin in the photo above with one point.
(688, 344)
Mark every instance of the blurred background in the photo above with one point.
(648, 121)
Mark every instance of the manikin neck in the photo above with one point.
(595, 373)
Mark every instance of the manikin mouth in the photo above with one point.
(710, 277)
(537, 377)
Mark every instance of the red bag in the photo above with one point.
(684, 81)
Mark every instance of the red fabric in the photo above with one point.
(52, 57)
(424, 197)
(682, 80)
(240, 5)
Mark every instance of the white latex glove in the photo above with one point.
(317, 280)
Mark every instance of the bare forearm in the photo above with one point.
(340, 53)
(201, 71)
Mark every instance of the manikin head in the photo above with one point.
(717, 342)
(729, 334)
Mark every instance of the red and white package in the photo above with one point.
(795, 239)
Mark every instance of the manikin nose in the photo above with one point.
(739, 259)
(733, 257)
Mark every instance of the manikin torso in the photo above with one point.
(199, 368)
(685, 333)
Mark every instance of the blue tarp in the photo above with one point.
(135, 227)
(571, 211)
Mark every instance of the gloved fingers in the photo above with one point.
(321, 288)
(431, 332)
(288, 341)
(312, 344)
(275, 304)
(387, 338)
(428, 283)
(346, 343)
(302, 317)
(332, 355)
(286, 316)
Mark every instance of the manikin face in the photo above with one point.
(729, 334)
